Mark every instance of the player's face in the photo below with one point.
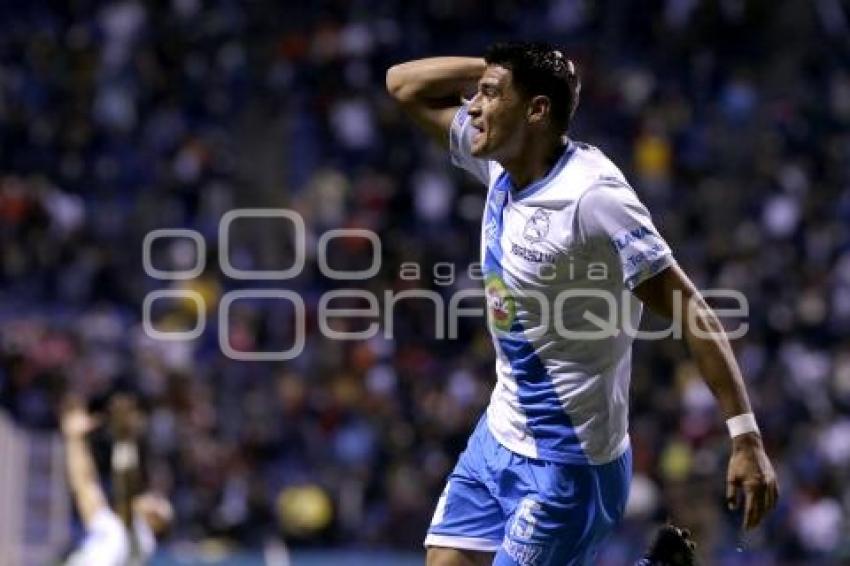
(498, 114)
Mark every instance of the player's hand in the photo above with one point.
(751, 477)
(75, 421)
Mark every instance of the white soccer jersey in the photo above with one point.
(107, 543)
(560, 258)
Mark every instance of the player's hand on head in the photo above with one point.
(751, 480)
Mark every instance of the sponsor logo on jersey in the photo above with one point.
(536, 227)
(626, 237)
(535, 256)
(650, 255)
(500, 304)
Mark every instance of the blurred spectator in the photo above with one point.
(119, 118)
(123, 532)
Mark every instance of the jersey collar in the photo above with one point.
(539, 184)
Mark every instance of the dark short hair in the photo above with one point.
(540, 69)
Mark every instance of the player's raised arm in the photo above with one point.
(750, 472)
(429, 90)
(76, 424)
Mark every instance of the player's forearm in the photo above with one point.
(434, 78)
(81, 469)
(713, 354)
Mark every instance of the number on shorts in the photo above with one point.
(524, 520)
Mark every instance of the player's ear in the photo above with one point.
(538, 108)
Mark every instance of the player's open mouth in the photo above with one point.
(479, 131)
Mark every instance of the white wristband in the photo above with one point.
(742, 424)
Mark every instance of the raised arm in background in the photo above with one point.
(76, 423)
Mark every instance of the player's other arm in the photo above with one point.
(89, 498)
(750, 472)
(430, 90)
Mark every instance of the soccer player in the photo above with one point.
(112, 539)
(569, 255)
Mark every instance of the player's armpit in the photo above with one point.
(436, 122)
(659, 293)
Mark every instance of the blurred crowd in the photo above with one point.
(730, 117)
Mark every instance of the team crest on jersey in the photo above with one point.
(537, 226)
(500, 303)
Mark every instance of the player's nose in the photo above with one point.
(474, 109)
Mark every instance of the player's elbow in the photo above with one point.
(398, 83)
(394, 81)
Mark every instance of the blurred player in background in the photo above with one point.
(126, 534)
(546, 473)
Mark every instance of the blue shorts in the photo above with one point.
(529, 512)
